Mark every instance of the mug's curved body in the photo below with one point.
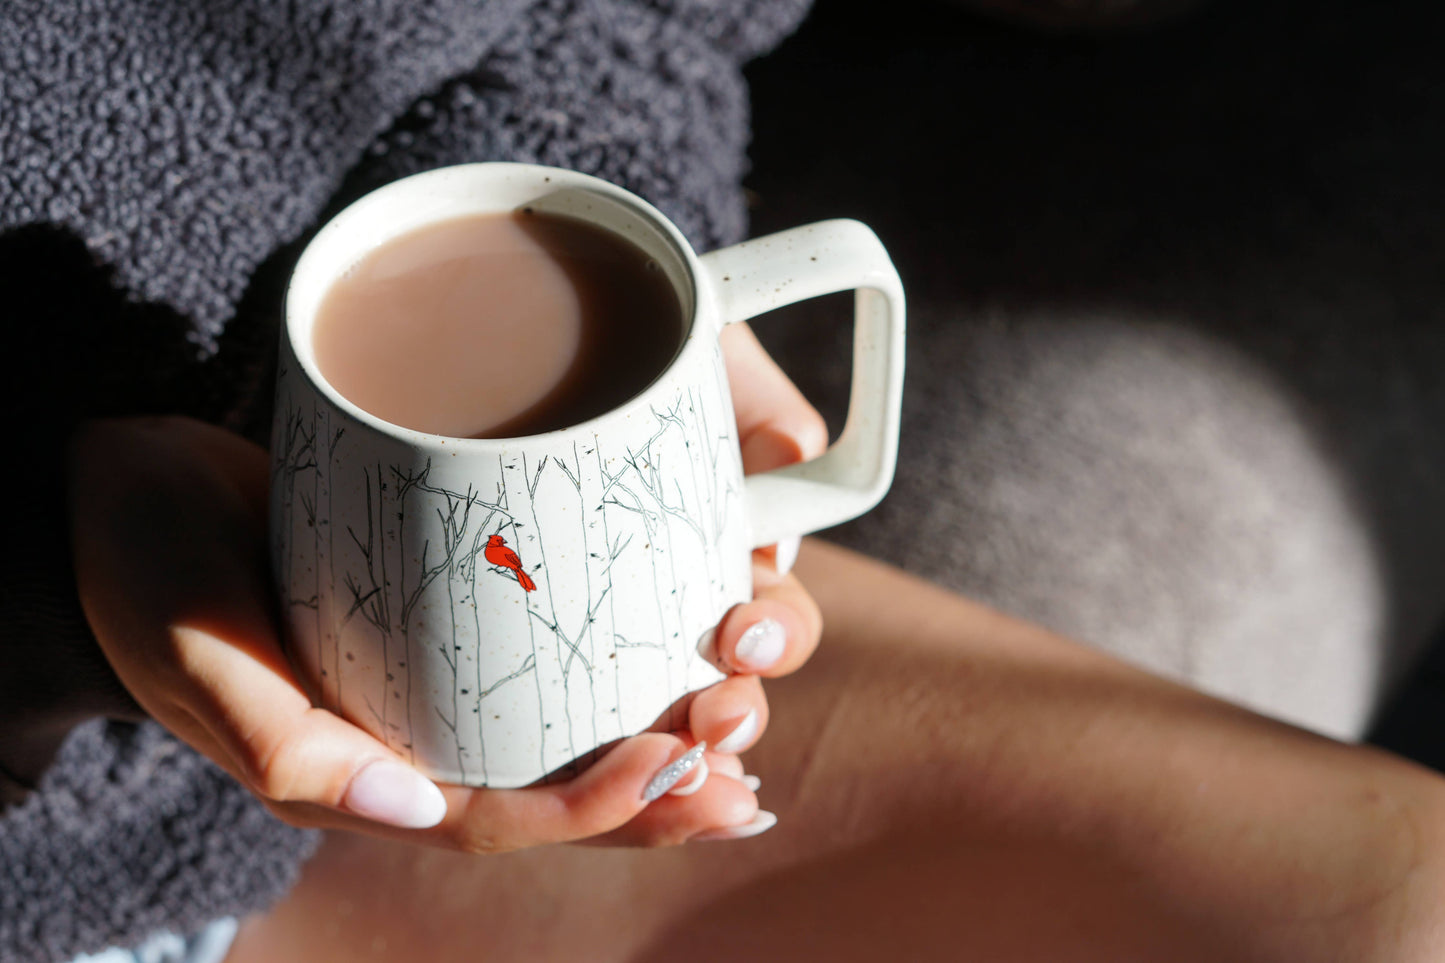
(497, 610)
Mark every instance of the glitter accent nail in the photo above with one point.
(762, 645)
(671, 774)
(693, 783)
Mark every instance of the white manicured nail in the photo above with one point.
(752, 782)
(707, 649)
(671, 774)
(762, 644)
(396, 794)
(742, 735)
(786, 553)
(699, 776)
(760, 823)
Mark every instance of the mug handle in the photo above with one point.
(852, 476)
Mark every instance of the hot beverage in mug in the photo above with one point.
(507, 499)
(498, 325)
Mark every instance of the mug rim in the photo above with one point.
(306, 360)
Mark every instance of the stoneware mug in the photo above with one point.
(495, 610)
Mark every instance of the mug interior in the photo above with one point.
(472, 189)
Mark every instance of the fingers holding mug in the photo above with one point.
(654, 789)
(495, 604)
(774, 634)
(777, 426)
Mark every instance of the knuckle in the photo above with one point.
(289, 815)
(668, 837)
(182, 655)
(813, 616)
(476, 834)
(272, 770)
(593, 814)
(801, 601)
(475, 841)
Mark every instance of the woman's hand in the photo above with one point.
(169, 527)
(778, 631)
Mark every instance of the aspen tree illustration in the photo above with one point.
(391, 588)
(713, 445)
(460, 557)
(567, 662)
(390, 599)
(599, 554)
(614, 549)
(641, 488)
(372, 599)
(432, 564)
(405, 482)
(299, 444)
(317, 505)
(541, 547)
(326, 621)
(711, 511)
(530, 664)
(375, 599)
(624, 497)
(297, 449)
(467, 571)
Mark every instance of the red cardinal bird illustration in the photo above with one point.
(499, 554)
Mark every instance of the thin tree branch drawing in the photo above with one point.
(370, 599)
(333, 439)
(297, 454)
(533, 480)
(454, 532)
(412, 623)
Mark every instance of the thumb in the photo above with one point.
(287, 751)
(171, 565)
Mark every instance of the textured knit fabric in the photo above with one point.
(1176, 324)
(132, 835)
(161, 162)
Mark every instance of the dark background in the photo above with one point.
(1271, 171)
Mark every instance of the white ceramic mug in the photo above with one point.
(631, 532)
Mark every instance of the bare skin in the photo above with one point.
(168, 518)
(950, 784)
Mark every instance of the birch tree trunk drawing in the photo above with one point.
(580, 628)
(371, 599)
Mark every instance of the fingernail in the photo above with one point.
(760, 823)
(396, 794)
(742, 735)
(762, 644)
(786, 553)
(671, 774)
(699, 776)
(707, 649)
(752, 782)
(768, 448)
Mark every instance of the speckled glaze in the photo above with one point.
(630, 533)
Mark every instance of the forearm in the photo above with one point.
(952, 784)
(53, 675)
(1146, 797)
